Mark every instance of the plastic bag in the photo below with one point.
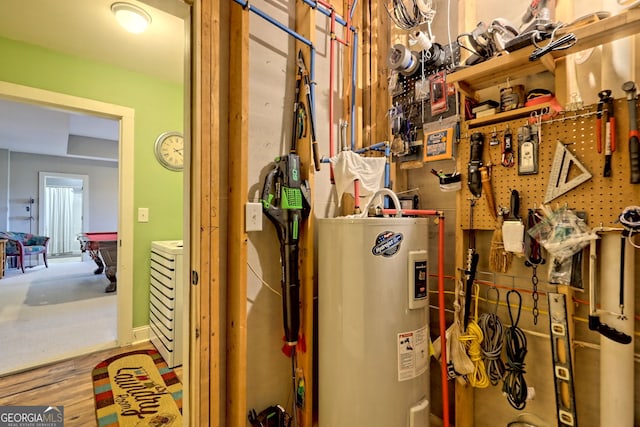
(562, 233)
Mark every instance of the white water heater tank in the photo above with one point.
(373, 334)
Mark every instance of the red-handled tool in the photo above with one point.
(609, 131)
(634, 137)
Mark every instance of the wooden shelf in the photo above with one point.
(496, 71)
(507, 115)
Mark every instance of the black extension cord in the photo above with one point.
(564, 42)
(515, 385)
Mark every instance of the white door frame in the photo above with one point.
(125, 116)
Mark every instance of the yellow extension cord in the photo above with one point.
(473, 344)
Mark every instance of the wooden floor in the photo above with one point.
(66, 383)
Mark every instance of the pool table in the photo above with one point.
(103, 249)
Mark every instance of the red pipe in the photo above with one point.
(356, 195)
(443, 327)
(415, 212)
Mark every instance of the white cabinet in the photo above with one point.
(167, 300)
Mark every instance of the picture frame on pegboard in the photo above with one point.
(438, 145)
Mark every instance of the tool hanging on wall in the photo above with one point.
(634, 136)
(563, 161)
(513, 229)
(594, 319)
(528, 150)
(499, 259)
(303, 75)
(485, 176)
(606, 100)
(472, 266)
(474, 179)
(508, 156)
(286, 201)
(533, 253)
(562, 370)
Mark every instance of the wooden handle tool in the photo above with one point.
(487, 190)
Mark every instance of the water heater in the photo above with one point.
(373, 332)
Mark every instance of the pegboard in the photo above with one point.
(416, 101)
(602, 198)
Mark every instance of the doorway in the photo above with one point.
(63, 210)
(125, 117)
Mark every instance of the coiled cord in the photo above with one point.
(473, 344)
(402, 17)
(493, 332)
(515, 385)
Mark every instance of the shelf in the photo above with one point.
(507, 115)
(497, 70)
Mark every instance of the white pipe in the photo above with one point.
(616, 360)
(394, 197)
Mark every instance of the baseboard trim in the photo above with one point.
(141, 334)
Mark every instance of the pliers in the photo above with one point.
(610, 129)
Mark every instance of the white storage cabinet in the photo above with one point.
(167, 300)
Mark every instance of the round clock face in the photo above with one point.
(169, 150)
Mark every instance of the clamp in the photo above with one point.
(610, 128)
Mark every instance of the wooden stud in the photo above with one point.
(204, 365)
(305, 26)
(236, 390)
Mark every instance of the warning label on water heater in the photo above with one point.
(413, 353)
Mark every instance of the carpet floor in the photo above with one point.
(49, 314)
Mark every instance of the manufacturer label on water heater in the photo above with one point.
(387, 244)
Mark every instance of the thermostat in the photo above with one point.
(418, 279)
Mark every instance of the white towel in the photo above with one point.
(349, 166)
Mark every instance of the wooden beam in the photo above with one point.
(236, 385)
(305, 26)
(204, 361)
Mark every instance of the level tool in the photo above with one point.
(563, 161)
(562, 372)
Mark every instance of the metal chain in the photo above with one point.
(534, 295)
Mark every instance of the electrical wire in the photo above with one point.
(262, 280)
(453, 57)
(564, 42)
(493, 333)
(401, 16)
(515, 341)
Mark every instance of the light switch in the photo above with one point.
(253, 217)
(143, 214)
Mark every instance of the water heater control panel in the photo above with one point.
(418, 279)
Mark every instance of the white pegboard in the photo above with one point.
(603, 199)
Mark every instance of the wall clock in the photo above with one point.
(169, 150)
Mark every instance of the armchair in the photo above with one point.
(21, 244)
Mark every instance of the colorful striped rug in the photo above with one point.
(137, 389)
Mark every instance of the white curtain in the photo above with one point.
(59, 220)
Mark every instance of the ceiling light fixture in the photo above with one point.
(132, 18)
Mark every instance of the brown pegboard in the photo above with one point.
(603, 199)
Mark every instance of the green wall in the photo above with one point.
(158, 106)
